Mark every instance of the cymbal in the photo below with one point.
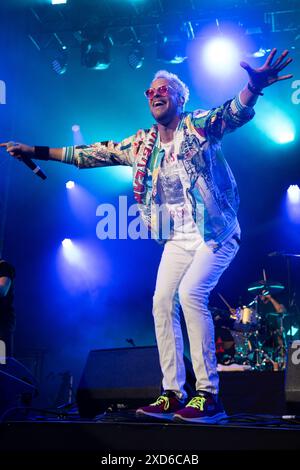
(273, 287)
(278, 314)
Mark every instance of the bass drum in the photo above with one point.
(243, 347)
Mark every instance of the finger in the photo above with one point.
(280, 58)
(284, 77)
(15, 155)
(282, 66)
(246, 66)
(14, 150)
(270, 56)
(9, 145)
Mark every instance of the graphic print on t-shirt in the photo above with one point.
(172, 194)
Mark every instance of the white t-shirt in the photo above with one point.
(172, 185)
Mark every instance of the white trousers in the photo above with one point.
(186, 278)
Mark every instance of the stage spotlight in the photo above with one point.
(93, 58)
(59, 63)
(96, 55)
(77, 135)
(60, 59)
(70, 185)
(286, 136)
(171, 49)
(257, 41)
(294, 193)
(67, 243)
(221, 56)
(71, 251)
(293, 203)
(260, 52)
(136, 54)
(59, 2)
(136, 58)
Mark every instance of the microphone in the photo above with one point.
(34, 167)
(31, 164)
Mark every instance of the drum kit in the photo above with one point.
(252, 335)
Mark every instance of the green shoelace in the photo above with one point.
(162, 400)
(197, 402)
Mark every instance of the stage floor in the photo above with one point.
(254, 402)
(118, 434)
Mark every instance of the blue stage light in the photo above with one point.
(286, 136)
(275, 123)
(221, 56)
(294, 194)
(71, 251)
(77, 135)
(293, 203)
(83, 266)
(70, 184)
(67, 243)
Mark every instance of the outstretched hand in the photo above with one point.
(266, 75)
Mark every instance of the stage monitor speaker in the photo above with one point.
(124, 376)
(292, 379)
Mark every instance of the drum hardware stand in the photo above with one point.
(65, 391)
(282, 348)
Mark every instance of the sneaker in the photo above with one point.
(203, 408)
(163, 408)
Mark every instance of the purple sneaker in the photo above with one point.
(163, 408)
(203, 408)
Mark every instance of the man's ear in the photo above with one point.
(181, 100)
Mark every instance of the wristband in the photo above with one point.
(41, 152)
(255, 91)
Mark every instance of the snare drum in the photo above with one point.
(246, 315)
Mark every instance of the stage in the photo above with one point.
(257, 422)
(124, 435)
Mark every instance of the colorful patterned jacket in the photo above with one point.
(213, 191)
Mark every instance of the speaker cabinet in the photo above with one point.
(292, 379)
(125, 376)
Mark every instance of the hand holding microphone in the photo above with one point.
(24, 153)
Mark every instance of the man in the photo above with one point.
(272, 305)
(178, 163)
(7, 314)
(272, 315)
